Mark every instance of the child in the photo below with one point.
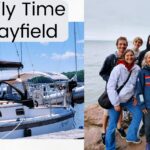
(143, 94)
(137, 42)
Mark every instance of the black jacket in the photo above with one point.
(107, 67)
(141, 57)
(142, 53)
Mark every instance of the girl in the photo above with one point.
(137, 43)
(143, 95)
(118, 76)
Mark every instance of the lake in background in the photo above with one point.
(95, 53)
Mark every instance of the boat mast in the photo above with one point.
(21, 52)
(75, 47)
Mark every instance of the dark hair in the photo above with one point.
(128, 50)
(148, 45)
(121, 38)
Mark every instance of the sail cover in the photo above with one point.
(7, 65)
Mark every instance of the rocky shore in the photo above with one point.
(93, 124)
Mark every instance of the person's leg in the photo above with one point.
(119, 121)
(142, 129)
(147, 127)
(104, 121)
(136, 118)
(147, 146)
(110, 132)
(119, 127)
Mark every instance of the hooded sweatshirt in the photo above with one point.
(142, 53)
(143, 88)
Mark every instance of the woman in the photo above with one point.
(143, 95)
(124, 99)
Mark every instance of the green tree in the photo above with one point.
(80, 75)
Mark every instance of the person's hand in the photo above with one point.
(145, 111)
(134, 101)
(117, 108)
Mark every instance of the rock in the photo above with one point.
(92, 139)
(93, 124)
(93, 116)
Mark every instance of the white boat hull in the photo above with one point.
(42, 121)
(39, 130)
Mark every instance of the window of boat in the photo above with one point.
(20, 111)
(8, 93)
(0, 114)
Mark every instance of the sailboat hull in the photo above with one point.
(58, 119)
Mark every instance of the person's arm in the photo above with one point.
(106, 69)
(140, 58)
(140, 90)
(111, 86)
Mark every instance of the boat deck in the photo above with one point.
(70, 134)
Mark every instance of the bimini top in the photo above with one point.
(53, 76)
(7, 65)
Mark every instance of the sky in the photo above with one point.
(109, 19)
(48, 57)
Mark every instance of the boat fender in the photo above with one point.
(81, 127)
(27, 132)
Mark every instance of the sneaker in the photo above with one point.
(122, 133)
(138, 141)
(103, 135)
(142, 131)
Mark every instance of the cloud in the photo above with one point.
(44, 43)
(43, 55)
(110, 19)
(80, 41)
(66, 55)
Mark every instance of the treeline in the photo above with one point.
(42, 79)
(80, 75)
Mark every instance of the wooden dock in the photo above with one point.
(70, 134)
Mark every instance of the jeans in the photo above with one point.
(147, 146)
(147, 126)
(113, 119)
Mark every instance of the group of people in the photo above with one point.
(132, 66)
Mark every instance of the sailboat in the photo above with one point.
(18, 115)
(23, 115)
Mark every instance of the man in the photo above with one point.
(105, 71)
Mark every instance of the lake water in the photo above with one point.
(95, 53)
(79, 115)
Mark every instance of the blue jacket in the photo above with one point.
(143, 88)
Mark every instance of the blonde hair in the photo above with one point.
(138, 39)
(144, 63)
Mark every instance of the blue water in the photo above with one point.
(79, 115)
